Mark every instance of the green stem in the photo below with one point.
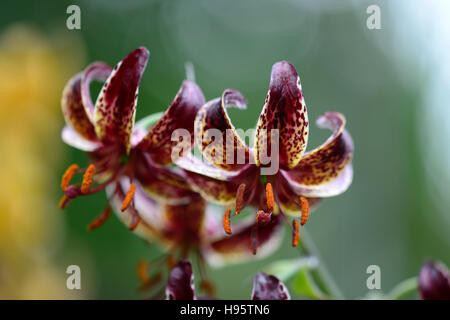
(320, 274)
(403, 288)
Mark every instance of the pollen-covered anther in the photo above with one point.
(226, 222)
(64, 202)
(295, 233)
(87, 178)
(130, 194)
(100, 220)
(254, 240)
(142, 271)
(240, 198)
(269, 197)
(305, 210)
(208, 287)
(68, 175)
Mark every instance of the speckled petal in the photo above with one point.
(222, 190)
(181, 282)
(268, 287)
(116, 104)
(180, 115)
(237, 248)
(162, 183)
(327, 162)
(73, 110)
(285, 111)
(212, 122)
(95, 71)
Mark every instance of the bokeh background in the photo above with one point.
(392, 84)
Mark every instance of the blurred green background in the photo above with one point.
(394, 215)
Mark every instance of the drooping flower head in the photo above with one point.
(118, 149)
(276, 176)
(181, 285)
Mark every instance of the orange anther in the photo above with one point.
(226, 222)
(305, 210)
(100, 220)
(68, 175)
(295, 233)
(63, 202)
(87, 178)
(207, 287)
(254, 240)
(240, 198)
(126, 202)
(142, 272)
(269, 197)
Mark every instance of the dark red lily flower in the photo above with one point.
(118, 149)
(434, 281)
(181, 285)
(236, 173)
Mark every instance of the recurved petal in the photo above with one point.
(115, 108)
(73, 109)
(216, 136)
(72, 138)
(162, 139)
(222, 189)
(327, 162)
(162, 183)
(285, 111)
(95, 71)
(268, 287)
(237, 247)
(181, 282)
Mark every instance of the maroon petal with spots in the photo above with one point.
(181, 282)
(73, 110)
(284, 110)
(212, 123)
(180, 115)
(434, 281)
(326, 163)
(116, 105)
(268, 287)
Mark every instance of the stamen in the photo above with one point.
(142, 271)
(240, 198)
(226, 222)
(126, 202)
(171, 262)
(254, 240)
(295, 233)
(305, 210)
(64, 202)
(87, 178)
(135, 221)
(100, 220)
(207, 287)
(269, 197)
(68, 175)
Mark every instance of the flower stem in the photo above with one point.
(320, 274)
(403, 288)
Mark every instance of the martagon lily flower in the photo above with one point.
(181, 285)
(302, 178)
(119, 150)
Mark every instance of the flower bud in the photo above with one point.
(434, 281)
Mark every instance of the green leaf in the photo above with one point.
(305, 286)
(285, 269)
(403, 289)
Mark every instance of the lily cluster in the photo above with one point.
(166, 201)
